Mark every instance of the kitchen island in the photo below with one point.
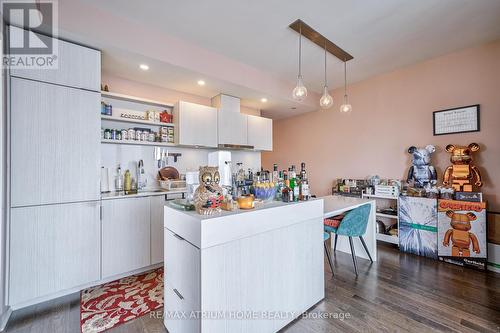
(242, 271)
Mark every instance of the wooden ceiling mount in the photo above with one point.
(320, 40)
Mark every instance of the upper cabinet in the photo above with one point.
(196, 124)
(260, 133)
(55, 156)
(77, 66)
(232, 128)
(226, 103)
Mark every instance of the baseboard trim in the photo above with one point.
(4, 318)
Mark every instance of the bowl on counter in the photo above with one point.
(265, 193)
(246, 202)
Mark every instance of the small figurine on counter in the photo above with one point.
(421, 172)
(462, 174)
(459, 234)
(208, 196)
(446, 192)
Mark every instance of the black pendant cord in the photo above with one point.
(326, 83)
(300, 51)
(345, 79)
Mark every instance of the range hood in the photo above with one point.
(229, 104)
(239, 147)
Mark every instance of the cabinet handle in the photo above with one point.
(178, 293)
(178, 237)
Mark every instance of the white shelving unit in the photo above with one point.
(138, 143)
(135, 121)
(138, 106)
(384, 237)
(140, 100)
(388, 238)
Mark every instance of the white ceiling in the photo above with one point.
(382, 35)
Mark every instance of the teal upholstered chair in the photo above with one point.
(353, 224)
(326, 236)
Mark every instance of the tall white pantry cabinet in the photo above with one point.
(54, 228)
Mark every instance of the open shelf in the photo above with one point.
(389, 216)
(388, 238)
(139, 143)
(135, 99)
(136, 121)
(378, 196)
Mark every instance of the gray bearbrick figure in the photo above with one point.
(421, 172)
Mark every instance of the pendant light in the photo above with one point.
(346, 107)
(326, 101)
(300, 91)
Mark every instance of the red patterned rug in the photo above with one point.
(117, 302)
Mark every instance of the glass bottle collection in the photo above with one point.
(285, 185)
(291, 187)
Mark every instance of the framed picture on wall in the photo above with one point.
(457, 120)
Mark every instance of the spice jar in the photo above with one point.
(107, 134)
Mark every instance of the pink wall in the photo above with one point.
(392, 112)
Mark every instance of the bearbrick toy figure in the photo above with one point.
(421, 172)
(460, 236)
(208, 196)
(462, 174)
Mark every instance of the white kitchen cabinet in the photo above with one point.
(232, 128)
(53, 248)
(260, 133)
(175, 304)
(157, 207)
(55, 144)
(126, 232)
(77, 66)
(196, 125)
(182, 266)
(226, 103)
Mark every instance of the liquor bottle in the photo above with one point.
(296, 185)
(275, 173)
(304, 192)
(279, 186)
(287, 192)
(291, 179)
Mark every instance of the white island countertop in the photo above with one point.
(267, 261)
(209, 230)
(337, 204)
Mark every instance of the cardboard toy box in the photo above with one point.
(418, 226)
(462, 233)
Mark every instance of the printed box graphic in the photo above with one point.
(462, 233)
(418, 226)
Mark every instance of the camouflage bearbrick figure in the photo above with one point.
(422, 173)
(208, 196)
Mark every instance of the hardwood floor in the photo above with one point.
(398, 293)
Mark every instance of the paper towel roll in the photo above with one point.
(104, 180)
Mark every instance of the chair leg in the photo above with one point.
(335, 244)
(353, 256)
(327, 250)
(366, 248)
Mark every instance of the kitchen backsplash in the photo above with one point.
(128, 156)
